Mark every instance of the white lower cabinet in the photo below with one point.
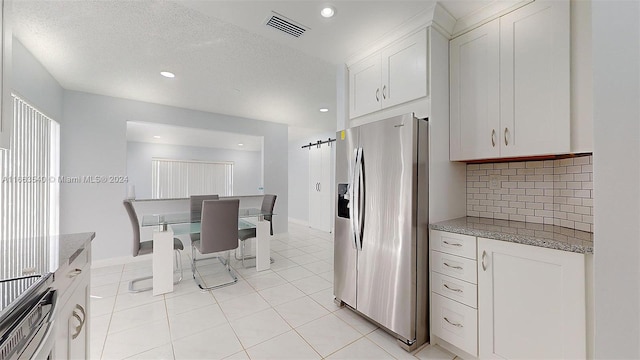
(518, 302)
(72, 313)
(531, 302)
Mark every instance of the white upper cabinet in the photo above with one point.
(364, 85)
(6, 103)
(535, 80)
(404, 70)
(392, 76)
(475, 93)
(510, 85)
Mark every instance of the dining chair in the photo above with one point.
(218, 233)
(268, 203)
(195, 209)
(146, 247)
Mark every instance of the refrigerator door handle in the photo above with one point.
(353, 188)
(362, 196)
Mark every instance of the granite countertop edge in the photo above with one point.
(71, 245)
(514, 238)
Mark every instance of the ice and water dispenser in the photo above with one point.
(343, 201)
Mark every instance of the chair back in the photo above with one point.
(134, 224)
(219, 225)
(195, 206)
(268, 203)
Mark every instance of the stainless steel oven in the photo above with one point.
(26, 318)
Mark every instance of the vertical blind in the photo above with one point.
(182, 178)
(29, 193)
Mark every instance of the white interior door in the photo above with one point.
(320, 188)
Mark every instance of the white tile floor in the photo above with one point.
(284, 313)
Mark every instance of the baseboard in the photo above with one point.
(298, 222)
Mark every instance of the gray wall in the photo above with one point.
(616, 175)
(299, 176)
(93, 137)
(32, 82)
(247, 165)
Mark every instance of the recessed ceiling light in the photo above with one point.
(324, 110)
(167, 74)
(327, 12)
(156, 136)
(240, 144)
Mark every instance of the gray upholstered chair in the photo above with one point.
(195, 206)
(268, 203)
(146, 247)
(218, 233)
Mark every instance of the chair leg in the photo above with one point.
(227, 263)
(179, 268)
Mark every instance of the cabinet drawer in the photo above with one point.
(455, 323)
(456, 244)
(455, 289)
(65, 277)
(454, 266)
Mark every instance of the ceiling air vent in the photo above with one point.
(283, 24)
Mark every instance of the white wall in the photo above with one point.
(616, 175)
(93, 142)
(299, 176)
(247, 165)
(31, 81)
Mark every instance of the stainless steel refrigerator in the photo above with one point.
(381, 235)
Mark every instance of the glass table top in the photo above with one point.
(189, 222)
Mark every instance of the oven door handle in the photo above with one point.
(44, 340)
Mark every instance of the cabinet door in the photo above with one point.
(404, 70)
(531, 302)
(78, 323)
(535, 80)
(364, 86)
(6, 102)
(72, 322)
(475, 94)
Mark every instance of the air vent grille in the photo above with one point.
(283, 24)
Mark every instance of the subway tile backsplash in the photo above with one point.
(557, 192)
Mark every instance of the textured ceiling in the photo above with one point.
(225, 60)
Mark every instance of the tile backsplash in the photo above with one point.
(557, 192)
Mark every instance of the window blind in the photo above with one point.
(182, 178)
(29, 193)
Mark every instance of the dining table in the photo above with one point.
(166, 226)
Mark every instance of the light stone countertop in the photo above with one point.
(71, 245)
(541, 235)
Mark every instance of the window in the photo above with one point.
(182, 178)
(29, 192)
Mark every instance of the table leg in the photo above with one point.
(263, 246)
(162, 262)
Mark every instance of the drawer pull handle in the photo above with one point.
(454, 324)
(453, 267)
(452, 244)
(73, 273)
(493, 138)
(452, 289)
